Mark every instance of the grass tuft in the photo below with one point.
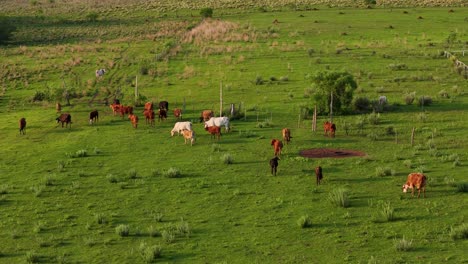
(304, 221)
(122, 230)
(403, 244)
(149, 253)
(172, 173)
(459, 232)
(227, 158)
(339, 197)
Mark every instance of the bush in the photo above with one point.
(122, 230)
(6, 30)
(172, 173)
(304, 221)
(362, 104)
(40, 96)
(227, 158)
(339, 197)
(409, 98)
(206, 12)
(403, 244)
(460, 232)
(424, 101)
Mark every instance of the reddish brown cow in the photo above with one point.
(134, 119)
(115, 108)
(329, 129)
(286, 135)
(149, 117)
(178, 113)
(126, 110)
(417, 180)
(318, 174)
(277, 146)
(149, 106)
(22, 126)
(215, 131)
(64, 118)
(206, 115)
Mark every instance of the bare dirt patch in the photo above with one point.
(330, 153)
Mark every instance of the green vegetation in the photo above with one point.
(109, 193)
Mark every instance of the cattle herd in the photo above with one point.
(213, 126)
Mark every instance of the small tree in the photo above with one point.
(337, 85)
(206, 12)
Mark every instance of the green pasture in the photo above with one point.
(67, 195)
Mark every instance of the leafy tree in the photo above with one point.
(206, 12)
(340, 84)
(6, 30)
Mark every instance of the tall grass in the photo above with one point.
(403, 244)
(339, 197)
(459, 232)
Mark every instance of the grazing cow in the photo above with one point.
(179, 126)
(277, 146)
(329, 129)
(115, 108)
(162, 115)
(22, 126)
(274, 165)
(417, 180)
(215, 131)
(286, 135)
(149, 106)
(178, 113)
(93, 117)
(134, 119)
(206, 115)
(126, 110)
(164, 105)
(382, 100)
(189, 135)
(318, 174)
(149, 116)
(100, 72)
(218, 121)
(58, 107)
(64, 118)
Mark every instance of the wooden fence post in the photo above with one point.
(412, 137)
(314, 120)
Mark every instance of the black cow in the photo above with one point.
(22, 126)
(164, 105)
(64, 118)
(274, 165)
(93, 117)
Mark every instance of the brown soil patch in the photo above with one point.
(330, 153)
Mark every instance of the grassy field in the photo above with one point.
(109, 193)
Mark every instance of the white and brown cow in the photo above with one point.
(416, 180)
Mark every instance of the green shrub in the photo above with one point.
(122, 230)
(403, 244)
(172, 173)
(459, 232)
(6, 30)
(304, 221)
(40, 96)
(183, 228)
(149, 253)
(339, 197)
(361, 104)
(462, 187)
(227, 158)
(388, 212)
(206, 12)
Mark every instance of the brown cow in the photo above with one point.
(93, 117)
(277, 146)
(22, 126)
(189, 135)
(286, 135)
(149, 117)
(162, 115)
(64, 118)
(206, 115)
(417, 180)
(318, 174)
(329, 129)
(274, 165)
(178, 113)
(215, 131)
(149, 106)
(126, 110)
(115, 108)
(134, 119)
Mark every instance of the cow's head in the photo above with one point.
(405, 187)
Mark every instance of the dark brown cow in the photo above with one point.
(22, 126)
(162, 115)
(277, 146)
(318, 174)
(164, 105)
(215, 131)
(274, 165)
(64, 119)
(329, 129)
(93, 117)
